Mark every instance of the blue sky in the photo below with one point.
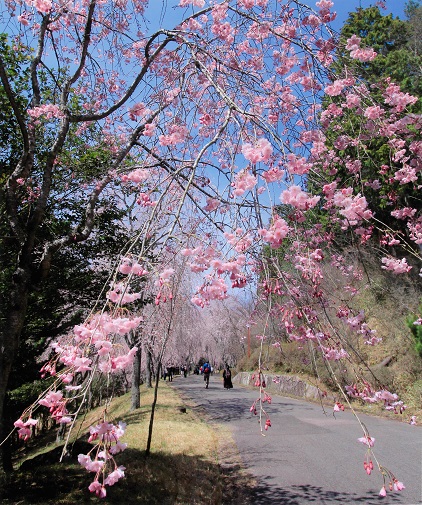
(343, 7)
(165, 15)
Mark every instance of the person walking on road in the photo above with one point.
(206, 367)
(227, 378)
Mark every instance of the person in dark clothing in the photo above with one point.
(227, 378)
(170, 371)
(206, 369)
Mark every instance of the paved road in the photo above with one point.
(309, 457)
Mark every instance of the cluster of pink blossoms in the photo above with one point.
(393, 483)
(212, 204)
(131, 266)
(195, 3)
(395, 265)
(139, 110)
(177, 134)
(163, 283)
(98, 335)
(353, 207)
(391, 400)
(138, 176)
(276, 233)
(297, 165)
(243, 181)
(336, 88)
(248, 4)
(214, 286)
(120, 294)
(357, 323)
(25, 428)
(42, 6)
(398, 99)
(357, 52)
(240, 240)
(273, 174)
(49, 111)
(263, 398)
(260, 151)
(298, 198)
(107, 444)
(56, 403)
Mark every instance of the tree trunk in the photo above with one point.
(136, 380)
(9, 343)
(154, 403)
(149, 369)
(61, 432)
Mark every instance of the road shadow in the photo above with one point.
(302, 495)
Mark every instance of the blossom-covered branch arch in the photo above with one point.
(213, 128)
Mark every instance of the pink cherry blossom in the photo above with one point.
(24, 428)
(244, 181)
(356, 52)
(123, 361)
(397, 99)
(374, 112)
(261, 150)
(177, 134)
(353, 208)
(49, 111)
(367, 440)
(118, 447)
(98, 489)
(332, 354)
(212, 204)
(276, 233)
(299, 199)
(297, 165)
(82, 364)
(95, 465)
(139, 175)
(363, 54)
(113, 477)
(138, 110)
(43, 6)
(51, 399)
(336, 88)
(398, 486)
(24, 18)
(395, 265)
(273, 174)
(196, 3)
(406, 175)
(166, 275)
(121, 295)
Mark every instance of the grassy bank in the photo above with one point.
(191, 461)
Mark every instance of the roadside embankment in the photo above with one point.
(289, 385)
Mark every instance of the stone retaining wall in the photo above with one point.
(291, 385)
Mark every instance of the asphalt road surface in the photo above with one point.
(308, 456)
